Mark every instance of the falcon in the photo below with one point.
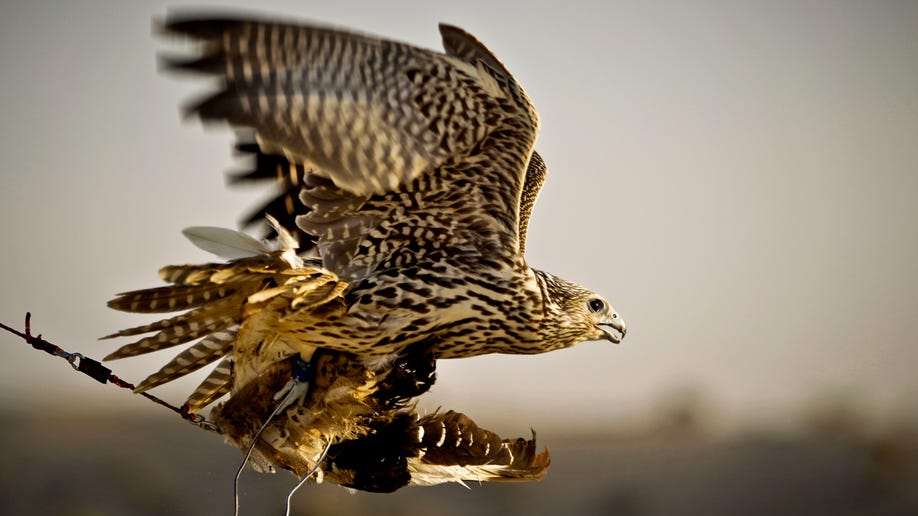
(415, 192)
(411, 174)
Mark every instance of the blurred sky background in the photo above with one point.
(739, 179)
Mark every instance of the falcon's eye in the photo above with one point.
(597, 305)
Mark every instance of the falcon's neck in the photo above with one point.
(548, 287)
(557, 329)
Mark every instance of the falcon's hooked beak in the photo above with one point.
(613, 328)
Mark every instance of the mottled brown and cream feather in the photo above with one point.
(217, 384)
(242, 295)
(205, 351)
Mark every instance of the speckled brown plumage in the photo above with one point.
(421, 175)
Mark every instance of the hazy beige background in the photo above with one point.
(739, 179)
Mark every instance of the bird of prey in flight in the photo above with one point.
(411, 175)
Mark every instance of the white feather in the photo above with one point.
(287, 242)
(284, 237)
(433, 474)
(225, 243)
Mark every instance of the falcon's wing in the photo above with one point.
(463, 45)
(535, 177)
(399, 138)
(288, 179)
(284, 206)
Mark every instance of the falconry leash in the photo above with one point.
(95, 370)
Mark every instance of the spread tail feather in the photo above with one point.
(207, 350)
(169, 299)
(217, 383)
(180, 329)
(220, 297)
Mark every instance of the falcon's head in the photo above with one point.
(604, 318)
(581, 315)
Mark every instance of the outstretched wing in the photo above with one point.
(289, 177)
(402, 141)
(284, 205)
(288, 180)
